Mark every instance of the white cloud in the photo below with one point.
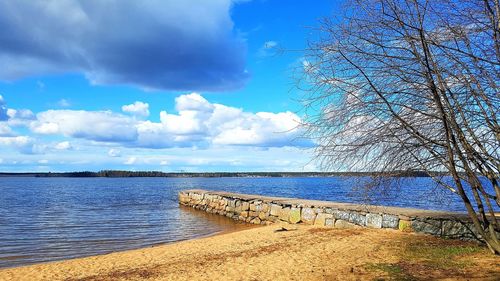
(5, 130)
(267, 49)
(138, 109)
(65, 145)
(270, 44)
(197, 123)
(192, 102)
(113, 152)
(23, 144)
(103, 126)
(15, 141)
(261, 129)
(20, 117)
(130, 161)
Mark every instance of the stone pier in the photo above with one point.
(258, 209)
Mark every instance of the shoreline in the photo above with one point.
(264, 253)
(222, 232)
(227, 226)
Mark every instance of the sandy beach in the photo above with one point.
(266, 253)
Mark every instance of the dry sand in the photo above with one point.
(304, 253)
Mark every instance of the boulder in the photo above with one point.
(284, 214)
(294, 215)
(390, 221)
(341, 215)
(275, 210)
(458, 229)
(308, 215)
(404, 225)
(321, 219)
(374, 220)
(357, 218)
(344, 224)
(245, 206)
(265, 207)
(263, 215)
(255, 221)
(428, 226)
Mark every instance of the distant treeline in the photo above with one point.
(126, 174)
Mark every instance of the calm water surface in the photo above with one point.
(45, 219)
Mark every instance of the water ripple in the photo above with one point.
(45, 219)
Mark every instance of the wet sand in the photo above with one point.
(265, 253)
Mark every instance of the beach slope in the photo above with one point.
(272, 253)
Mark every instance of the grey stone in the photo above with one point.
(357, 218)
(374, 220)
(308, 215)
(330, 222)
(429, 226)
(341, 215)
(390, 221)
(457, 229)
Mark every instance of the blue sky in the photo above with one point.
(153, 85)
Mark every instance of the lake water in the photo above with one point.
(45, 219)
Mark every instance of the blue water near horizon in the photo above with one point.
(46, 219)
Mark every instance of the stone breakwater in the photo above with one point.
(257, 209)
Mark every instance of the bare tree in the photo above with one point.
(397, 85)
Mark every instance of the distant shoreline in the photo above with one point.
(128, 174)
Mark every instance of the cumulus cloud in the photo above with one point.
(104, 126)
(138, 109)
(5, 130)
(23, 144)
(159, 44)
(20, 117)
(196, 123)
(64, 145)
(15, 140)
